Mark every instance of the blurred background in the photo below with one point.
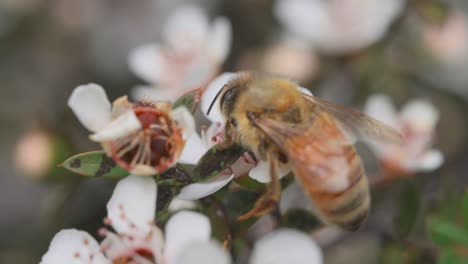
(414, 52)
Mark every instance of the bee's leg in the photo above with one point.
(268, 200)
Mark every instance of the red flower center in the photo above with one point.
(157, 145)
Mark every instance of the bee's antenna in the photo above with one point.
(214, 99)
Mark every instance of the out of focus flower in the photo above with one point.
(291, 58)
(189, 57)
(76, 16)
(187, 237)
(416, 122)
(145, 138)
(131, 211)
(286, 246)
(74, 246)
(339, 26)
(34, 153)
(248, 163)
(448, 42)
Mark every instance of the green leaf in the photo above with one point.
(219, 220)
(464, 210)
(238, 202)
(216, 160)
(250, 184)
(94, 164)
(449, 256)
(170, 183)
(409, 201)
(189, 100)
(395, 253)
(445, 233)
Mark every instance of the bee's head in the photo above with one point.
(229, 93)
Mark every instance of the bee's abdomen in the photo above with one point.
(349, 210)
(338, 189)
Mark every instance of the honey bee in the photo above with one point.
(272, 118)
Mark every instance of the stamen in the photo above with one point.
(129, 147)
(103, 232)
(138, 154)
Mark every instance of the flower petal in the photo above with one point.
(178, 204)
(431, 160)
(220, 39)
(147, 62)
(132, 206)
(122, 126)
(118, 247)
(185, 27)
(184, 120)
(381, 107)
(197, 74)
(73, 246)
(210, 93)
(294, 14)
(91, 106)
(199, 190)
(420, 115)
(155, 94)
(206, 253)
(262, 173)
(286, 246)
(183, 229)
(193, 150)
(114, 246)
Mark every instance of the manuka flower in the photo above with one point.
(144, 138)
(448, 41)
(186, 240)
(339, 26)
(190, 55)
(131, 212)
(416, 122)
(286, 246)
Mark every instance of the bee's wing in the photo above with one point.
(326, 165)
(356, 125)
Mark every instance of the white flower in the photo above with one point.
(190, 55)
(286, 246)
(131, 212)
(74, 247)
(338, 26)
(448, 42)
(247, 163)
(416, 122)
(144, 137)
(292, 58)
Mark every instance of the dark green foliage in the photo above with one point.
(94, 164)
(216, 160)
(188, 100)
(409, 201)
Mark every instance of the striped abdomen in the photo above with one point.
(331, 173)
